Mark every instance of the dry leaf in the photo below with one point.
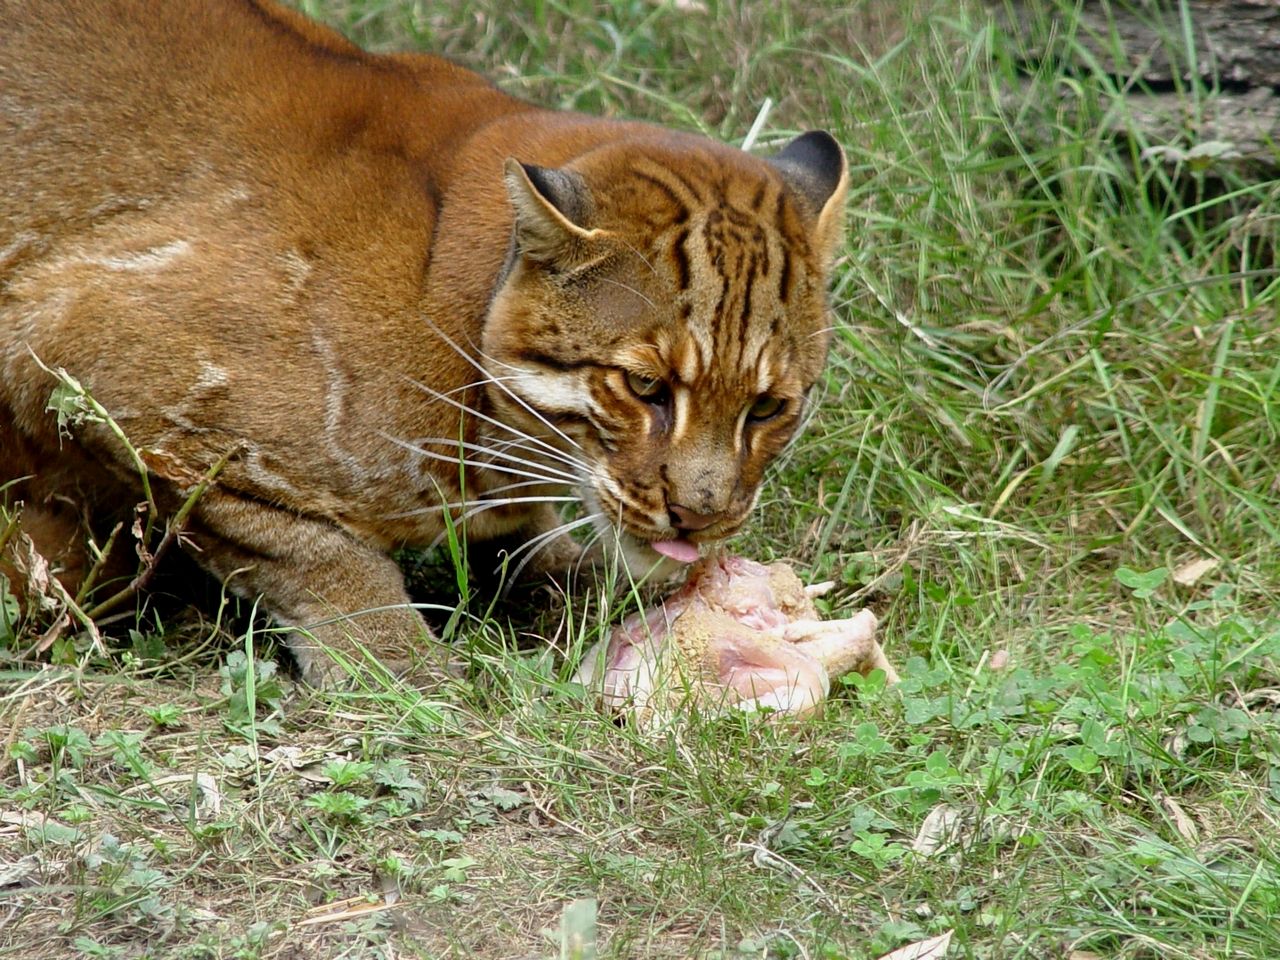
(139, 535)
(286, 754)
(931, 949)
(390, 886)
(361, 907)
(50, 636)
(314, 773)
(208, 805)
(16, 872)
(35, 572)
(1189, 573)
(1185, 826)
(45, 592)
(308, 763)
(999, 660)
(942, 828)
(1083, 955)
(1268, 697)
(29, 820)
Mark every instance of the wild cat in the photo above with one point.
(388, 294)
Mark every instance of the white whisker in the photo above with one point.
(551, 450)
(503, 387)
(488, 494)
(484, 505)
(517, 443)
(597, 533)
(533, 545)
(461, 504)
(476, 383)
(514, 486)
(497, 467)
(472, 507)
(494, 452)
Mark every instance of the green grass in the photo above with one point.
(1055, 384)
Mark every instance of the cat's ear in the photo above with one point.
(814, 167)
(552, 208)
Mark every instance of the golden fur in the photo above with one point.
(244, 234)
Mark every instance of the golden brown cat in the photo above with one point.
(387, 290)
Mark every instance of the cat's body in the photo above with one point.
(246, 236)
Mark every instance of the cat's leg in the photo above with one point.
(342, 595)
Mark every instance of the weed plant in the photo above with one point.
(1046, 456)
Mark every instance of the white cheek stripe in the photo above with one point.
(553, 392)
(764, 374)
(683, 412)
(740, 431)
(691, 361)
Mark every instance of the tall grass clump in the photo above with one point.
(1059, 350)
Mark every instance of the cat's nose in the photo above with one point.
(682, 518)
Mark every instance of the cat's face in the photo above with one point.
(665, 310)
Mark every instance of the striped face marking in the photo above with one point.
(674, 334)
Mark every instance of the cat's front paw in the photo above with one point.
(331, 658)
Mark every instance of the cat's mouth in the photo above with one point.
(645, 545)
(680, 549)
(655, 560)
(661, 558)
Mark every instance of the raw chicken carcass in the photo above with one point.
(738, 635)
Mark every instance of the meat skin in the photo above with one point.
(738, 635)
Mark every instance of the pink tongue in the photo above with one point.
(680, 550)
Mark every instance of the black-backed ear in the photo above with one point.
(814, 167)
(552, 208)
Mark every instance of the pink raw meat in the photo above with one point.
(737, 635)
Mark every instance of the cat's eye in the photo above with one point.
(765, 407)
(649, 389)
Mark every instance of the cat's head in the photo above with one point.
(664, 307)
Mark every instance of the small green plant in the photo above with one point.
(876, 848)
(164, 714)
(253, 693)
(452, 871)
(405, 793)
(148, 646)
(124, 748)
(91, 949)
(68, 746)
(124, 886)
(339, 805)
(24, 750)
(344, 773)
